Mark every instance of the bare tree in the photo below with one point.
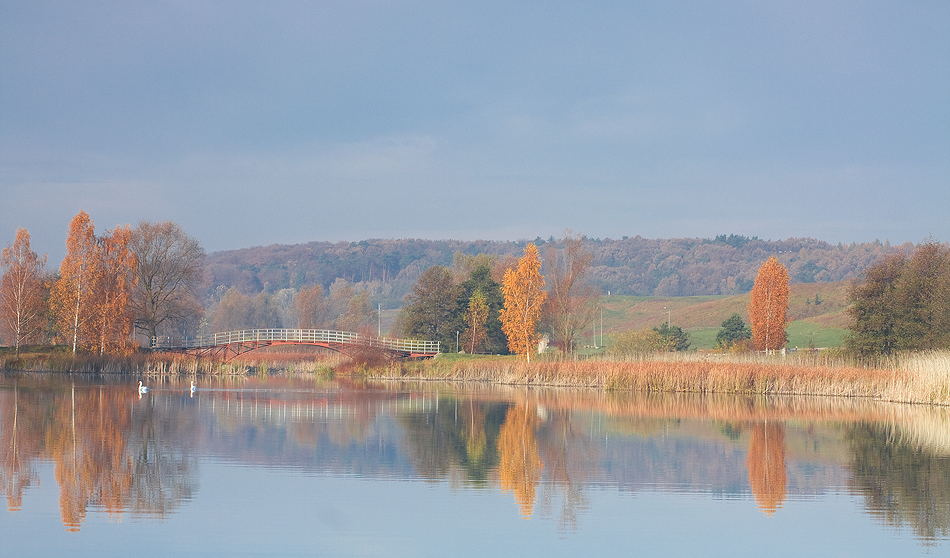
(570, 304)
(313, 308)
(170, 272)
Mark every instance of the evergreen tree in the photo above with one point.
(733, 329)
(675, 338)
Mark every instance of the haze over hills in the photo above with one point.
(388, 268)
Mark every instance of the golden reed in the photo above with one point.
(911, 378)
(916, 378)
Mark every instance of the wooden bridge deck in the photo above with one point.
(230, 344)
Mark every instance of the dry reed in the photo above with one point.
(911, 378)
(167, 364)
(920, 378)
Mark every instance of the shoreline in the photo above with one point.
(919, 378)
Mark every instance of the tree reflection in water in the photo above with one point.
(509, 442)
(17, 471)
(766, 464)
(519, 468)
(463, 436)
(903, 483)
(115, 453)
(107, 451)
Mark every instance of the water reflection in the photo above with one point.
(903, 483)
(519, 468)
(111, 452)
(118, 454)
(766, 464)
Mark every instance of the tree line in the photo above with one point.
(145, 279)
(486, 303)
(902, 303)
(115, 291)
(152, 280)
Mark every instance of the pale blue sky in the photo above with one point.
(253, 123)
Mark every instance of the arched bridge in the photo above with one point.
(234, 343)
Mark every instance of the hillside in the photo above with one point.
(725, 265)
(701, 316)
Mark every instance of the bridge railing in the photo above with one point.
(313, 336)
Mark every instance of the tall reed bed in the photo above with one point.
(919, 379)
(924, 377)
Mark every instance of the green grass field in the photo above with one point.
(820, 325)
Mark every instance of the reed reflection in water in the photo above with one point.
(119, 455)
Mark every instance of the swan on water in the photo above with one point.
(193, 387)
(142, 389)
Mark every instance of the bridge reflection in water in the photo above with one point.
(230, 344)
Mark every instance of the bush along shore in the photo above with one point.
(909, 378)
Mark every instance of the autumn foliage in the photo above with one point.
(768, 306)
(113, 318)
(312, 307)
(90, 302)
(21, 291)
(70, 300)
(523, 288)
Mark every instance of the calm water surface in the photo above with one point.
(291, 466)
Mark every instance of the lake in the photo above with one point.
(295, 466)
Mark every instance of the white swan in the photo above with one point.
(193, 388)
(142, 389)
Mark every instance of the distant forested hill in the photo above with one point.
(629, 266)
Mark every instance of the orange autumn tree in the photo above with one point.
(21, 291)
(112, 292)
(71, 298)
(768, 306)
(523, 288)
(91, 301)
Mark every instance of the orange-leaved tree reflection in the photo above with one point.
(100, 460)
(519, 467)
(18, 434)
(766, 464)
(87, 440)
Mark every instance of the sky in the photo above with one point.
(254, 123)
